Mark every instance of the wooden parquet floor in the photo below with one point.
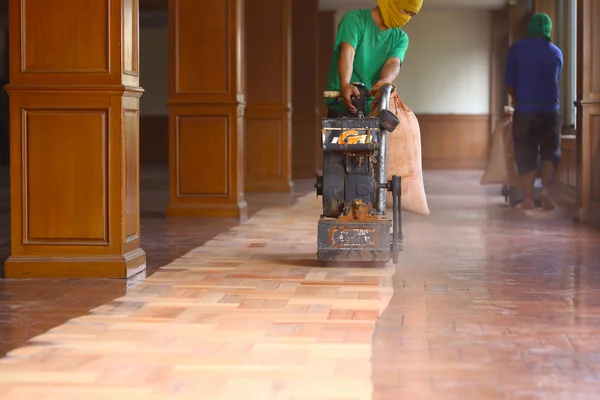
(248, 315)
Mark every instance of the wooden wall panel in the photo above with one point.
(326, 42)
(54, 216)
(206, 108)
(131, 136)
(588, 109)
(549, 7)
(265, 150)
(305, 93)
(595, 150)
(209, 172)
(202, 52)
(564, 192)
(90, 54)
(74, 108)
(268, 111)
(325, 47)
(567, 171)
(131, 43)
(518, 19)
(452, 141)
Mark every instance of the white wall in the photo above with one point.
(447, 66)
(154, 71)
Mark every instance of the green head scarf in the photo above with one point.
(540, 25)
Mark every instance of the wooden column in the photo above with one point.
(588, 111)
(549, 7)
(325, 42)
(305, 98)
(74, 105)
(206, 107)
(518, 19)
(564, 192)
(268, 30)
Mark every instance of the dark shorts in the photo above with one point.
(536, 136)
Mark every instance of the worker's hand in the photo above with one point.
(347, 91)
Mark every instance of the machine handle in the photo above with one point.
(331, 94)
(385, 94)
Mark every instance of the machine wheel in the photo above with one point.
(396, 217)
(319, 185)
(333, 181)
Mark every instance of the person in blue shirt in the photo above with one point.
(532, 80)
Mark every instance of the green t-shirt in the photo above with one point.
(372, 46)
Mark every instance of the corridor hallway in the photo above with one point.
(487, 303)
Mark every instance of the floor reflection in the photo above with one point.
(490, 302)
(33, 306)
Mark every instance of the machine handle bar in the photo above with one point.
(386, 92)
(332, 94)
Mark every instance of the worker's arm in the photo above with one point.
(350, 30)
(513, 97)
(395, 57)
(509, 79)
(345, 64)
(390, 70)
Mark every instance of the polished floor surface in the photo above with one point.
(488, 302)
(30, 307)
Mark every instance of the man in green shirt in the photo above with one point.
(369, 48)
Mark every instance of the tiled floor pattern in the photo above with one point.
(490, 302)
(248, 315)
(30, 307)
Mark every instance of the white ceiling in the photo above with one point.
(427, 4)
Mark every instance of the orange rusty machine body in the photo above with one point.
(355, 226)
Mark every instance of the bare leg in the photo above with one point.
(528, 180)
(547, 181)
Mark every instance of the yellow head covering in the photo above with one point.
(392, 11)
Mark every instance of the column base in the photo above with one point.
(269, 187)
(124, 266)
(237, 211)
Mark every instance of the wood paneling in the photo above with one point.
(549, 7)
(209, 171)
(567, 171)
(268, 112)
(89, 54)
(588, 110)
(206, 108)
(325, 43)
(131, 134)
(305, 93)
(595, 150)
(267, 152)
(74, 139)
(204, 50)
(54, 216)
(451, 141)
(518, 19)
(564, 193)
